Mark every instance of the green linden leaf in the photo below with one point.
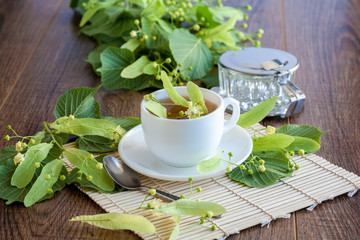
(59, 184)
(87, 15)
(158, 28)
(131, 44)
(14, 194)
(302, 131)
(63, 137)
(211, 80)
(155, 9)
(156, 83)
(94, 56)
(219, 48)
(41, 185)
(113, 61)
(55, 151)
(190, 51)
(196, 96)
(114, 12)
(78, 102)
(156, 108)
(96, 144)
(136, 68)
(88, 126)
(190, 207)
(87, 165)
(102, 38)
(126, 123)
(115, 221)
(219, 13)
(221, 33)
(72, 178)
(173, 95)
(203, 11)
(82, 9)
(101, 24)
(307, 144)
(149, 70)
(210, 165)
(25, 171)
(7, 191)
(91, 11)
(272, 142)
(276, 164)
(176, 230)
(73, 3)
(7, 153)
(256, 114)
(141, 3)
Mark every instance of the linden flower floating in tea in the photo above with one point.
(179, 108)
(194, 111)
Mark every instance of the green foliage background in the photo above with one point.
(138, 38)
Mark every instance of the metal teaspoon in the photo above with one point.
(127, 178)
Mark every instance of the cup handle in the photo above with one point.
(229, 124)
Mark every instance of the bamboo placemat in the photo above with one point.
(317, 180)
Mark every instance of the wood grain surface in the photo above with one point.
(42, 55)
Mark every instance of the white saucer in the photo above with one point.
(135, 153)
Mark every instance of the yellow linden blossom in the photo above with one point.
(18, 146)
(270, 130)
(194, 111)
(133, 34)
(119, 132)
(18, 159)
(208, 42)
(156, 203)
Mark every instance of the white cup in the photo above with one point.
(185, 142)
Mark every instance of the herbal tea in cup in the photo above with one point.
(193, 129)
(179, 112)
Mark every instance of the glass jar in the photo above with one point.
(253, 75)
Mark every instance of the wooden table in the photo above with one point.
(42, 55)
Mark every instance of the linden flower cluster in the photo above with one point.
(255, 161)
(18, 159)
(166, 66)
(156, 203)
(119, 131)
(270, 130)
(140, 34)
(194, 111)
(19, 145)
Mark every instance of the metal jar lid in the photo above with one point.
(267, 62)
(259, 61)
